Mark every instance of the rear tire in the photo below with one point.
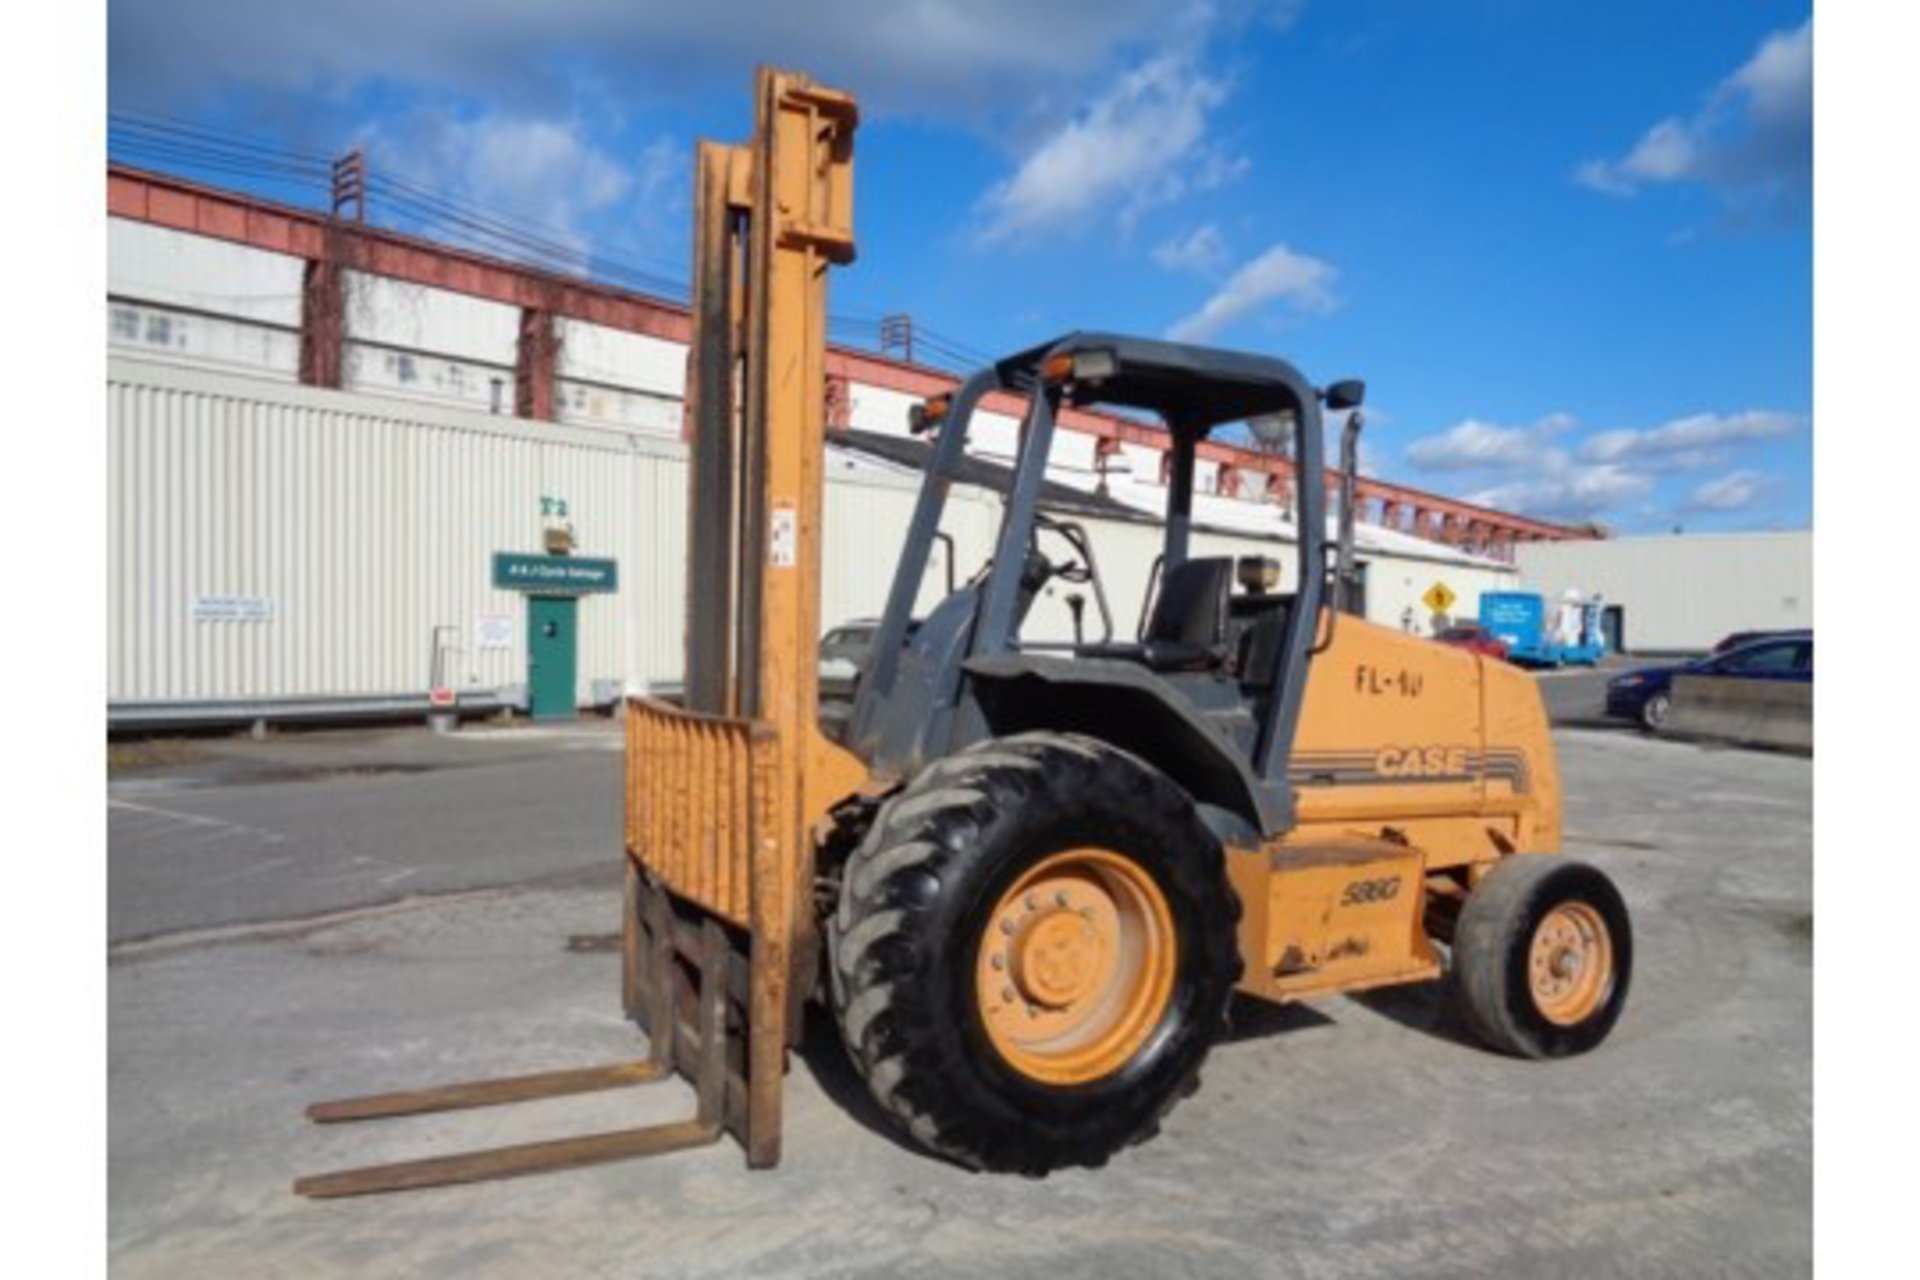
(1654, 712)
(1542, 956)
(958, 944)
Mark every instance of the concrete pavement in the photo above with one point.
(1354, 1137)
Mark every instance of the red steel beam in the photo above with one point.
(536, 356)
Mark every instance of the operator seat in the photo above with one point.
(1188, 629)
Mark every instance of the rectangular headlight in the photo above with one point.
(1092, 366)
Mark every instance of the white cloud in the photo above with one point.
(538, 171)
(1735, 491)
(1277, 276)
(1753, 140)
(1528, 469)
(1218, 167)
(1690, 441)
(664, 175)
(944, 57)
(1140, 143)
(1568, 491)
(1284, 15)
(1474, 445)
(1202, 250)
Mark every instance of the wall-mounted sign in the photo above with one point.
(554, 575)
(231, 609)
(493, 631)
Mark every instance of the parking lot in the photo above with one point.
(331, 914)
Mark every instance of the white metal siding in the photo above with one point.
(880, 409)
(153, 264)
(594, 405)
(169, 333)
(1686, 591)
(365, 522)
(616, 358)
(418, 317)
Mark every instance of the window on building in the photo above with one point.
(126, 324)
(160, 330)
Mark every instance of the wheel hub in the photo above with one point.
(1076, 966)
(1057, 959)
(1570, 964)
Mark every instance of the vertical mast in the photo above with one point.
(770, 219)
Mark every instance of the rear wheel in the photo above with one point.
(1542, 953)
(1033, 952)
(1655, 710)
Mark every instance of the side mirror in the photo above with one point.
(1348, 393)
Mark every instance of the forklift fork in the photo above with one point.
(702, 1050)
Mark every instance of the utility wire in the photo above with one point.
(150, 138)
(156, 122)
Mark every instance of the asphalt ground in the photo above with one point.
(326, 915)
(223, 832)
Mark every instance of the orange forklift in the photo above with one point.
(1027, 877)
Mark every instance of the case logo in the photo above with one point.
(1422, 762)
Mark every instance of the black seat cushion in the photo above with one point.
(1188, 629)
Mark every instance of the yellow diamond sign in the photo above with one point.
(1439, 597)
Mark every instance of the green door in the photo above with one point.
(552, 623)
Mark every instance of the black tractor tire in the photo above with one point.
(917, 898)
(1493, 954)
(1654, 712)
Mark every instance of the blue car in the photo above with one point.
(1646, 695)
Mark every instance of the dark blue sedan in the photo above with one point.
(1646, 695)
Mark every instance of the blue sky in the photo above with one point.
(1569, 245)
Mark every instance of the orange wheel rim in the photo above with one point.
(1570, 964)
(1076, 966)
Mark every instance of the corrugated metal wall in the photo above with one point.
(358, 525)
(1684, 592)
(349, 527)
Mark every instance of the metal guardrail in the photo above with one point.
(137, 717)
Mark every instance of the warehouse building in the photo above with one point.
(352, 471)
(1682, 593)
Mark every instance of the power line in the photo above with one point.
(149, 137)
(154, 121)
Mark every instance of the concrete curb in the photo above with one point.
(1749, 713)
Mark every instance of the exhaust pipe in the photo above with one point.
(1346, 576)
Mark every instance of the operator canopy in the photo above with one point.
(1192, 389)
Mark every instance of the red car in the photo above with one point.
(1468, 635)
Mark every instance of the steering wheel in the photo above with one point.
(1077, 569)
